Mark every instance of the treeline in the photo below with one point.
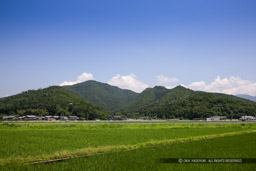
(51, 101)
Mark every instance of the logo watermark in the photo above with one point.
(207, 160)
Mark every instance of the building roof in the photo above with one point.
(30, 116)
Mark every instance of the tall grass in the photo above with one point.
(31, 142)
(148, 125)
(22, 140)
(106, 149)
(236, 146)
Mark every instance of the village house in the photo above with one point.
(117, 118)
(247, 118)
(216, 118)
(31, 117)
(49, 118)
(73, 118)
(9, 117)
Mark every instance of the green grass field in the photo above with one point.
(124, 146)
(147, 159)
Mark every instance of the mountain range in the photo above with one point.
(161, 102)
(101, 100)
(182, 103)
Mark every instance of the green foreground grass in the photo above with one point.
(32, 142)
(238, 146)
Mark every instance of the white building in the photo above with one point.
(247, 118)
(9, 117)
(216, 118)
(31, 117)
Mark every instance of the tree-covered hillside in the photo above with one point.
(148, 96)
(179, 102)
(50, 101)
(185, 103)
(102, 94)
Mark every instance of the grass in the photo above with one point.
(106, 149)
(148, 158)
(122, 125)
(34, 139)
(31, 142)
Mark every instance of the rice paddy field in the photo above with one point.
(124, 145)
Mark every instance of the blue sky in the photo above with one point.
(204, 45)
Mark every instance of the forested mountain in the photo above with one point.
(50, 101)
(252, 98)
(178, 102)
(102, 94)
(148, 96)
(181, 102)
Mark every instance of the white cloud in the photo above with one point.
(169, 87)
(232, 85)
(81, 78)
(128, 82)
(163, 79)
(166, 81)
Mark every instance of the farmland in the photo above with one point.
(117, 145)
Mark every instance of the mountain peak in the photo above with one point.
(102, 94)
(180, 87)
(159, 87)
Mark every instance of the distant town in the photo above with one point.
(114, 118)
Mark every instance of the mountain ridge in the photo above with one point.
(181, 102)
(102, 94)
(91, 97)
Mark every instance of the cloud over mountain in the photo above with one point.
(232, 85)
(128, 82)
(81, 78)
